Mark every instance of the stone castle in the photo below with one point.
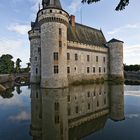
(64, 52)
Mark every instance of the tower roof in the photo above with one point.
(114, 40)
(51, 3)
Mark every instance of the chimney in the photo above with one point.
(72, 22)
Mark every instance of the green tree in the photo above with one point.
(6, 64)
(18, 66)
(131, 67)
(121, 5)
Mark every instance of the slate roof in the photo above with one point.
(86, 35)
(114, 40)
(47, 4)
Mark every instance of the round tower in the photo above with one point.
(115, 59)
(53, 22)
(117, 102)
(36, 113)
(35, 50)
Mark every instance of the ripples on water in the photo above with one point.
(91, 112)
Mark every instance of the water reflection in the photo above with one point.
(75, 112)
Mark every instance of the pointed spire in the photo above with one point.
(51, 3)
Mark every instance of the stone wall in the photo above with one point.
(35, 50)
(6, 78)
(78, 68)
(116, 59)
(50, 39)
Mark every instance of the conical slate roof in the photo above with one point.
(51, 3)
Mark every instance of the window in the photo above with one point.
(88, 94)
(36, 94)
(56, 106)
(68, 69)
(50, 11)
(68, 56)
(99, 69)
(94, 93)
(39, 50)
(68, 97)
(93, 69)
(69, 111)
(88, 70)
(76, 56)
(55, 55)
(35, 58)
(96, 58)
(104, 101)
(76, 109)
(56, 119)
(60, 32)
(88, 105)
(88, 59)
(104, 70)
(60, 44)
(36, 70)
(97, 103)
(104, 59)
(56, 70)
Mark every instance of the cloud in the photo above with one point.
(132, 54)
(35, 7)
(17, 48)
(19, 28)
(22, 116)
(130, 116)
(126, 27)
(132, 93)
(74, 6)
(133, 50)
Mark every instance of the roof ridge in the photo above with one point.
(88, 27)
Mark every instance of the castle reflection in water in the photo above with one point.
(75, 112)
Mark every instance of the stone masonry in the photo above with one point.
(65, 52)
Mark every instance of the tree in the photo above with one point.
(18, 66)
(122, 4)
(131, 67)
(6, 64)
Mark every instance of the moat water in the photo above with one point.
(91, 112)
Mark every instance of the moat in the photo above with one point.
(87, 112)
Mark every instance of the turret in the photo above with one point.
(117, 102)
(115, 59)
(53, 23)
(35, 53)
(36, 113)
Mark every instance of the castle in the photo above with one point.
(64, 52)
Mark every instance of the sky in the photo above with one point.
(16, 16)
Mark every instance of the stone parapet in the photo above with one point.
(33, 34)
(86, 47)
(53, 15)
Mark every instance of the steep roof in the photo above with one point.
(86, 35)
(114, 40)
(51, 3)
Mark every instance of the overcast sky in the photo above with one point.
(16, 15)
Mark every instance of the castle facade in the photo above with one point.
(64, 52)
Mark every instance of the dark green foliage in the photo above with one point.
(18, 66)
(7, 94)
(6, 64)
(131, 67)
(122, 4)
